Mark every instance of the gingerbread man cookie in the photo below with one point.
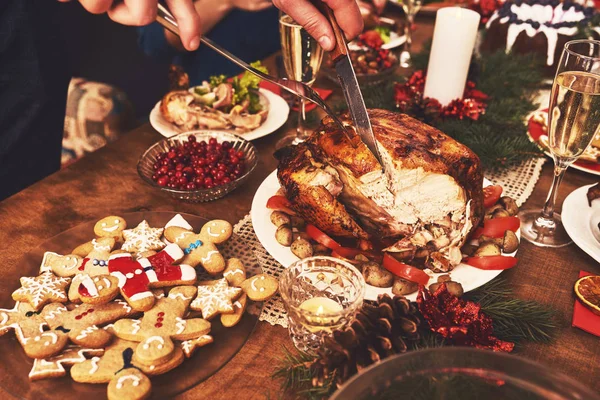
(239, 306)
(59, 265)
(164, 322)
(96, 253)
(137, 277)
(111, 226)
(235, 273)
(201, 249)
(42, 290)
(54, 367)
(29, 325)
(215, 298)
(82, 323)
(142, 238)
(98, 289)
(260, 287)
(129, 384)
(190, 346)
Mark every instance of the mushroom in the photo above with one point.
(279, 218)
(488, 249)
(510, 205)
(454, 288)
(376, 275)
(284, 235)
(302, 248)
(510, 242)
(402, 287)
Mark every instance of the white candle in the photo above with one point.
(453, 42)
(320, 306)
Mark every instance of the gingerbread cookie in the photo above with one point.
(215, 299)
(201, 249)
(54, 367)
(29, 326)
(59, 265)
(260, 287)
(142, 238)
(129, 384)
(164, 322)
(239, 306)
(190, 346)
(137, 277)
(158, 368)
(96, 252)
(235, 273)
(41, 290)
(111, 226)
(82, 323)
(98, 289)
(180, 222)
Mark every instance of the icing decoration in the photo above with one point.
(190, 346)
(158, 339)
(94, 362)
(549, 18)
(135, 380)
(192, 246)
(209, 256)
(54, 367)
(42, 289)
(215, 299)
(233, 272)
(253, 283)
(142, 238)
(180, 325)
(84, 333)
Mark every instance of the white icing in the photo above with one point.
(54, 313)
(124, 304)
(182, 236)
(99, 247)
(86, 331)
(233, 272)
(94, 362)
(151, 339)
(135, 380)
(180, 325)
(112, 228)
(178, 296)
(53, 338)
(135, 326)
(4, 318)
(210, 233)
(209, 256)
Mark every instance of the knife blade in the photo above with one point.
(347, 77)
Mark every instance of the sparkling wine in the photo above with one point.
(302, 55)
(574, 114)
(411, 7)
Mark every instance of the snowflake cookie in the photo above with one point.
(43, 289)
(215, 298)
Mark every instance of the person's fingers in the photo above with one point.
(379, 5)
(133, 12)
(189, 22)
(348, 17)
(307, 15)
(97, 6)
(261, 5)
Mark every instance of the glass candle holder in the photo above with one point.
(320, 294)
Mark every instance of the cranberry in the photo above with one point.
(182, 181)
(222, 167)
(226, 180)
(199, 180)
(163, 170)
(166, 161)
(199, 170)
(208, 181)
(210, 186)
(220, 175)
(162, 181)
(226, 145)
(179, 167)
(234, 160)
(178, 174)
(212, 141)
(173, 179)
(155, 177)
(171, 173)
(190, 186)
(192, 139)
(171, 154)
(202, 143)
(240, 154)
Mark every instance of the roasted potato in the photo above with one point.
(454, 288)
(510, 205)
(279, 218)
(284, 235)
(488, 249)
(444, 278)
(376, 275)
(302, 248)
(402, 287)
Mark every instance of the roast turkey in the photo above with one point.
(422, 209)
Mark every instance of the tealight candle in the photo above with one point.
(453, 42)
(320, 306)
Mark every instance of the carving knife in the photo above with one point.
(347, 77)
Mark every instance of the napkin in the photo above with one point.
(583, 318)
(324, 93)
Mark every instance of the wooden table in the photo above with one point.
(106, 182)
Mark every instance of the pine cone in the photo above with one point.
(388, 327)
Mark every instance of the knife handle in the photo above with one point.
(341, 48)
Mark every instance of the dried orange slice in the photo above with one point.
(587, 290)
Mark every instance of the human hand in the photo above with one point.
(143, 12)
(251, 5)
(379, 5)
(303, 12)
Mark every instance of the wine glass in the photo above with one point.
(302, 58)
(573, 120)
(411, 8)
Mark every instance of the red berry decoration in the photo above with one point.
(193, 165)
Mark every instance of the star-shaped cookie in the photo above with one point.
(142, 238)
(215, 298)
(42, 289)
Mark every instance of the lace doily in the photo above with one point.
(518, 182)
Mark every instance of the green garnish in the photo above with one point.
(245, 87)
(215, 81)
(385, 32)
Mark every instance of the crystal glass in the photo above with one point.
(320, 294)
(302, 57)
(573, 120)
(411, 8)
(461, 373)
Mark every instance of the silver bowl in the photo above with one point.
(147, 160)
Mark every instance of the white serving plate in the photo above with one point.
(469, 277)
(278, 114)
(581, 221)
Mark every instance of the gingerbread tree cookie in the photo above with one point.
(42, 290)
(142, 238)
(82, 323)
(29, 325)
(54, 367)
(164, 322)
(201, 249)
(137, 277)
(215, 298)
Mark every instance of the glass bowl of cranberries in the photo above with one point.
(198, 166)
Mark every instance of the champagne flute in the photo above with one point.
(302, 58)
(411, 8)
(573, 120)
